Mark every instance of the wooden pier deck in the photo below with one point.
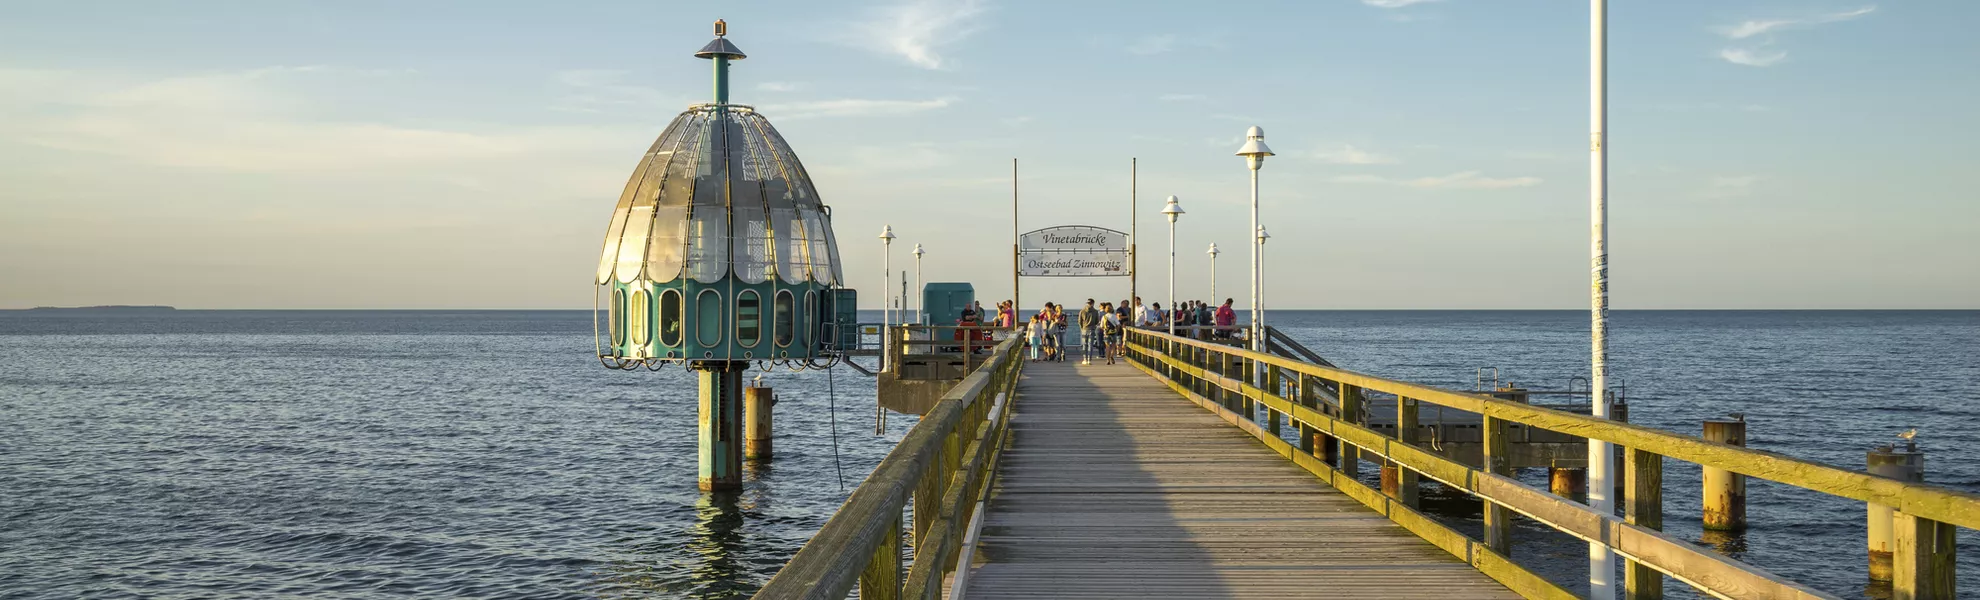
(1115, 486)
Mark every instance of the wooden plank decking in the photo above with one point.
(1114, 486)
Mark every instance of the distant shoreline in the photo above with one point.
(103, 308)
(161, 308)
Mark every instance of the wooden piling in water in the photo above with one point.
(719, 427)
(1568, 482)
(756, 422)
(1725, 491)
(1907, 465)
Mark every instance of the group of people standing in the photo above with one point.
(1101, 326)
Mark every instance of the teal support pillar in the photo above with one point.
(721, 425)
(721, 80)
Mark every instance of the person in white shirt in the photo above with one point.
(1140, 312)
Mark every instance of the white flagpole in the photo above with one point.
(1601, 562)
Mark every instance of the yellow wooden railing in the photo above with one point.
(1926, 516)
(942, 466)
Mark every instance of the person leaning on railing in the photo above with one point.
(963, 328)
(1226, 319)
(1205, 318)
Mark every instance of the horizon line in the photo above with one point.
(139, 308)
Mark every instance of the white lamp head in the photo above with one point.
(1263, 235)
(1173, 209)
(887, 234)
(917, 251)
(1214, 251)
(1255, 150)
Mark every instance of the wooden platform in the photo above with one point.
(1114, 486)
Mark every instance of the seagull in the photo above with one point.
(1908, 434)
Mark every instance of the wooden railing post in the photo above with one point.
(882, 578)
(928, 497)
(1272, 387)
(1309, 440)
(1643, 506)
(1922, 559)
(1224, 369)
(1351, 411)
(1403, 485)
(1250, 368)
(1498, 520)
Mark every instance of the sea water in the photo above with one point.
(379, 454)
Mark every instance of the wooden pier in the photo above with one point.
(1115, 486)
(1201, 470)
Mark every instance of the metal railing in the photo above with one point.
(968, 344)
(942, 465)
(1926, 516)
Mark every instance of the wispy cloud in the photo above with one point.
(1152, 44)
(855, 107)
(777, 86)
(1752, 57)
(1347, 154)
(1465, 180)
(263, 121)
(1747, 29)
(1720, 188)
(1763, 31)
(1393, 3)
(917, 30)
(1181, 97)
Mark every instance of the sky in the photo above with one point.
(1430, 153)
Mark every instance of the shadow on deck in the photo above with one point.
(1114, 486)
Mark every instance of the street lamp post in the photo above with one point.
(1254, 153)
(887, 271)
(1601, 562)
(1213, 272)
(1262, 237)
(1173, 209)
(921, 305)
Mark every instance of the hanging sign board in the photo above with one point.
(1073, 251)
(1082, 264)
(1073, 238)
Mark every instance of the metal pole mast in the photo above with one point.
(920, 304)
(1601, 562)
(1134, 206)
(886, 287)
(1015, 236)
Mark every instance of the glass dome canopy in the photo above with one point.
(719, 194)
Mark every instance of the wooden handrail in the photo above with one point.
(1646, 546)
(938, 465)
(1919, 499)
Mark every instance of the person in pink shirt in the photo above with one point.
(1226, 319)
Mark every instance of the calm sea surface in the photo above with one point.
(372, 454)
